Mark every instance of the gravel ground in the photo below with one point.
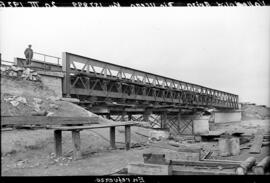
(31, 152)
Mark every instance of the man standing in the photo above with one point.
(28, 54)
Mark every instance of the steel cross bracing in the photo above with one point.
(89, 78)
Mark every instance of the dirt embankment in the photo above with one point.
(23, 97)
(250, 112)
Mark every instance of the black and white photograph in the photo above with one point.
(140, 90)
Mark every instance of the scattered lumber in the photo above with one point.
(148, 169)
(257, 144)
(245, 166)
(262, 166)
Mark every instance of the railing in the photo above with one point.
(6, 63)
(47, 58)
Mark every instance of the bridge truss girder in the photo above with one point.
(97, 81)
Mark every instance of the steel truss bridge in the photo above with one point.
(121, 93)
(97, 83)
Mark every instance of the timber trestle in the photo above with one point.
(75, 131)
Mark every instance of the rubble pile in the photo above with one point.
(250, 111)
(13, 105)
(21, 72)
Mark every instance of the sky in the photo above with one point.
(224, 48)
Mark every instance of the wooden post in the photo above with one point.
(66, 70)
(164, 119)
(234, 146)
(76, 144)
(262, 166)
(58, 142)
(129, 117)
(146, 115)
(123, 116)
(108, 116)
(245, 166)
(224, 146)
(112, 137)
(127, 136)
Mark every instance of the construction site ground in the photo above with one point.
(31, 152)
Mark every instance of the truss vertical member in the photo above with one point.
(164, 119)
(123, 115)
(146, 115)
(178, 120)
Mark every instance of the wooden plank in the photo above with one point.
(76, 144)
(205, 163)
(257, 144)
(46, 120)
(114, 124)
(127, 137)
(112, 137)
(148, 169)
(182, 171)
(222, 161)
(58, 142)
